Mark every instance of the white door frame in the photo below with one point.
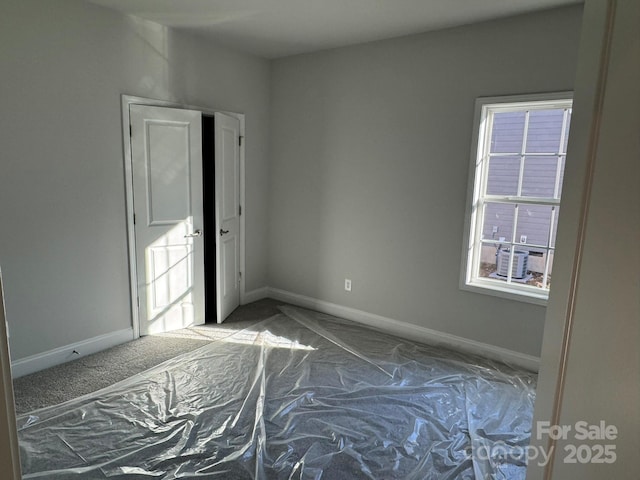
(128, 100)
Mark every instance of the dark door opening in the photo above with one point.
(210, 234)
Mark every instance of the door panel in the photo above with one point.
(229, 172)
(166, 153)
(227, 150)
(167, 164)
(230, 266)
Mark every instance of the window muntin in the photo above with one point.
(518, 170)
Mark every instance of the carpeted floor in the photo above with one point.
(297, 395)
(73, 379)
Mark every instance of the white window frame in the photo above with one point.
(476, 197)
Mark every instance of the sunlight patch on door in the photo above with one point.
(170, 280)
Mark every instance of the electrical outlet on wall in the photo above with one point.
(347, 284)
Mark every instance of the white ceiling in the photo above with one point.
(277, 28)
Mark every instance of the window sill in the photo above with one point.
(497, 290)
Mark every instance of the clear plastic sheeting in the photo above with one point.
(300, 395)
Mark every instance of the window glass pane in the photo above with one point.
(507, 132)
(551, 254)
(555, 228)
(487, 264)
(563, 161)
(498, 222)
(503, 176)
(536, 263)
(534, 222)
(566, 137)
(539, 176)
(545, 130)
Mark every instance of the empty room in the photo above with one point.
(296, 239)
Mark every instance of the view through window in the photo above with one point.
(518, 174)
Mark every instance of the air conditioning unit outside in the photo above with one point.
(520, 260)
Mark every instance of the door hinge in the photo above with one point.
(130, 131)
(239, 210)
(134, 218)
(240, 140)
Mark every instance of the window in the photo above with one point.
(518, 159)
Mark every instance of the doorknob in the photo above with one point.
(222, 232)
(197, 233)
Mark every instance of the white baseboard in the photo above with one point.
(35, 363)
(410, 331)
(255, 295)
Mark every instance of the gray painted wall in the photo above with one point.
(368, 179)
(369, 162)
(63, 249)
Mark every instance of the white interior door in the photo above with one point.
(227, 172)
(166, 154)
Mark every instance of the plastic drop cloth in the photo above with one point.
(300, 395)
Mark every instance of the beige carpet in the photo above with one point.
(93, 372)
